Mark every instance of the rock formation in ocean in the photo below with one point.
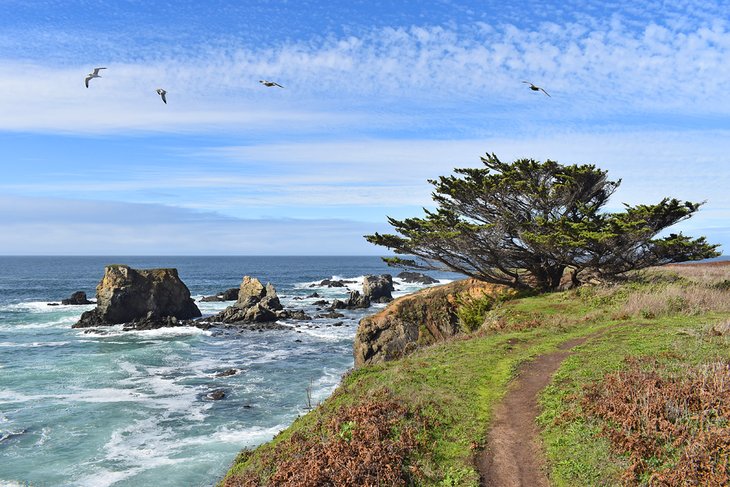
(415, 320)
(416, 277)
(77, 298)
(256, 304)
(355, 300)
(227, 295)
(125, 295)
(378, 289)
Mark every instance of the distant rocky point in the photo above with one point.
(152, 297)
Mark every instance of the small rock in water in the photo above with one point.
(226, 373)
(216, 395)
(298, 341)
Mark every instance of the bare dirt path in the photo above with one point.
(513, 456)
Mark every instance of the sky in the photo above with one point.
(379, 96)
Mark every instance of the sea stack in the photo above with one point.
(125, 295)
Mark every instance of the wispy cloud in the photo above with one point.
(606, 68)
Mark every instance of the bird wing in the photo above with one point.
(277, 84)
(527, 83)
(96, 71)
(86, 81)
(548, 94)
(163, 96)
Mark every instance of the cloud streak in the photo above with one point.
(595, 69)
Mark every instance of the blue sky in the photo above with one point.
(379, 97)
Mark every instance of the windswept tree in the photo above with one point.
(527, 223)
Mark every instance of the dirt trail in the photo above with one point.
(513, 456)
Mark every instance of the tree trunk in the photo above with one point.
(547, 278)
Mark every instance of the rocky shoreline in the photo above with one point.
(148, 299)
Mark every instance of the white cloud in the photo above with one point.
(602, 68)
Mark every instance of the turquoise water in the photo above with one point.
(129, 408)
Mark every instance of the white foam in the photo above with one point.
(13, 483)
(106, 478)
(250, 436)
(118, 331)
(32, 345)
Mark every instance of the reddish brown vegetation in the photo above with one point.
(366, 445)
(673, 427)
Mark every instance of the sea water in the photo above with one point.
(129, 408)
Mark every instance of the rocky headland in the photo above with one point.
(415, 320)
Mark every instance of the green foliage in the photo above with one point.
(346, 430)
(471, 311)
(526, 223)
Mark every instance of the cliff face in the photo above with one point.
(125, 295)
(412, 321)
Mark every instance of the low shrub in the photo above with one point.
(674, 427)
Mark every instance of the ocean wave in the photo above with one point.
(42, 307)
(6, 435)
(118, 331)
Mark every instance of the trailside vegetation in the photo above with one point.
(644, 401)
(525, 224)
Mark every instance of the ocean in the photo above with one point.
(115, 408)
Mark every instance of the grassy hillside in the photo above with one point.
(641, 399)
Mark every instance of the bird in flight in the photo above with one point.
(93, 74)
(269, 83)
(536, 88)
(162, 94)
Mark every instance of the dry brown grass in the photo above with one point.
(709, 273)
(688, 299)
(366, 445)
(674, 427)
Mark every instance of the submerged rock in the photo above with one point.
(227, 372)
(216, 395)
(126, 295)
(416, 277)
(227, 295)
(77, 298)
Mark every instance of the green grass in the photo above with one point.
(456, 384)
(576, 452)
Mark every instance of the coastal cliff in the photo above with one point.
(422, 318)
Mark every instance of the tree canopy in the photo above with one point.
(524, 224)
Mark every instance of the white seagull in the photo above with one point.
(162, 94)
(93, 74)
(269, 83)
(536, 88)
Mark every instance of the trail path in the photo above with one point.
(513, 456)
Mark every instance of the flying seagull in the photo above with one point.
(269, 83)
(93, 74)
(536, 88)
(162, 94)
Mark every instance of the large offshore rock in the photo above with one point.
(378, 289)
(125, 295)
(415, 320)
